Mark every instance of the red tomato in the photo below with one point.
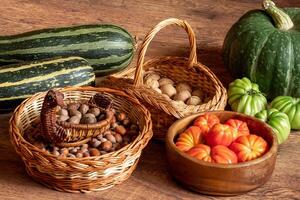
(240, 127)
(220, 134)
(249, 147)
(189, 138)
(221, 154)
(206, 121)
(201, 152)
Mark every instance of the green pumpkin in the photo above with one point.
(245, 97)
(291, 107)
(264, 45)
(279, 122)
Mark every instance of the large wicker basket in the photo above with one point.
(165, 112)
(80, 174)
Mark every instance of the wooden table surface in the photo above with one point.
(210, 19)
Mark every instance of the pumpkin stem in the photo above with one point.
(281, 19)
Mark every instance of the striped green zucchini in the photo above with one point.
(108, 48)
(19, 81)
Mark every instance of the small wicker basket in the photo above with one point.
(74, 134)
(165, 112)
(80, 174)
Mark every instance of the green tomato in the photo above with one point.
(279, 122)
(245, 97)
(291, 107)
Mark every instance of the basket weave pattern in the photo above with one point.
(165, 112)
(80, 174)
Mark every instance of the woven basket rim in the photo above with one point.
(140, 141)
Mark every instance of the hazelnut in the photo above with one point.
(71, 155)
(118, 138)
(106, 146)
(165, 81)
(79, 155)
(73, 112)
(107, 132)
(99, 137)
(86, 154)
(63, 112)
(182, 96)
(114, 125)
(63, 118)
(88, 119)
(64, 151)
(95, 143)
(55, 148)
(168, 90)
(55, 153)
(197, 93)
(120, 129)
(126, 122)
(74, 119)
(95, 111)
(94, 152)
(183, 86)
(193, 100)
(103, 140)
(121, 116)
(82, 150)
(73, 106)
(83, 108)
(84, 146)
(110, 138)
(73, 150)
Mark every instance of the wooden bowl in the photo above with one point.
(221, 179)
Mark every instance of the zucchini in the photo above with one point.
(19, 81)
(108, 48)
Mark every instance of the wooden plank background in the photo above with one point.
(210, 19)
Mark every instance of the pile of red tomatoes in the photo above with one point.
(228, 143)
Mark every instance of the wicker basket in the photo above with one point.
(74, 134)
(80, 174)
(164, 112)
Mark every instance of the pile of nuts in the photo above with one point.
(80, 113)
(121, 133)
(178, 92)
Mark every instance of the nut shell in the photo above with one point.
(165, 81)
(182, 87)
(74, 120)
(153, 76)
(182, 96)
(83, 108)
(152, 83)
(95, 111)
(193, 100)
(168, 90)
(73, 112)
(88, 119)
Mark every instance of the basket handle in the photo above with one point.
(138, 77)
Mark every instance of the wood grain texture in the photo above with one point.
(210, 20)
